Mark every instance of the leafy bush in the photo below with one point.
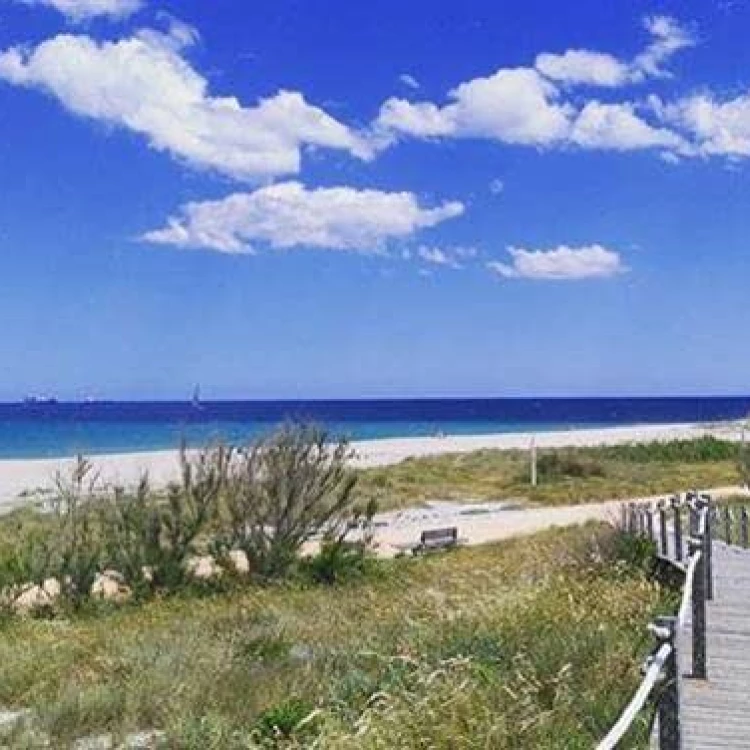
(699, 450)
(283, 491)
(148, 538)
(78, 549)
(285, 720)
(337, 561)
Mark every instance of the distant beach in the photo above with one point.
(21, 480)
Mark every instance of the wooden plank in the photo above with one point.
(716, 712)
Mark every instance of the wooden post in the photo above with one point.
(669, 706)
(695, 547)
(743, 526)
(708, 547)
(677, 529)
(650, 523)
(728, 525)
(663, 528)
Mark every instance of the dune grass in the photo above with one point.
(573, 475)
(532, 643)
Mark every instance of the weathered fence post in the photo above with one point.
(708, 549)
(669, 705)
(697, 547)
(677, 529)
(663, 528)
(728, 525)
(743, 526)
(650, 523)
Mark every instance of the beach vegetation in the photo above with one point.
(565, 475)
(149, 538)
(534, 642)
(247, 512)
(285, 490)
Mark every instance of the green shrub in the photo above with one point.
(698, 450)
(292, 717)
(148, 538)
(566, 465)
(284, 490)
(337, 561)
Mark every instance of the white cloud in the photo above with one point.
(560, 264)
(287, 215)
(587, 67)
(82, 10)
(144, 83)
(714, 127)
(409, 81)
(618, 127)
(581, 66)
(669, 37)
(514, 105)
(527, 106)
(450, 257)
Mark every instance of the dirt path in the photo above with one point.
(479, 523)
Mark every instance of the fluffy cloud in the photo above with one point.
(515, 105)
(528, 106)
(288, 215)
(82, 10)
(618, 127)
(560, 264)
(669, 37)
(144, 83)
(714, 127)
(582, 66)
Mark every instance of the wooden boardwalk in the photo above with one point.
(715, 713)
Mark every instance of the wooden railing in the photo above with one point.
(690, 550)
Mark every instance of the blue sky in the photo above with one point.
(322, 199)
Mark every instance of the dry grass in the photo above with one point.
(534, 643)
(500, 475)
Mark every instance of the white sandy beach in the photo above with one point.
(19, 477)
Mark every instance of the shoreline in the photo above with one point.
(21, 478)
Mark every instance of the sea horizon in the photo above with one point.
(56, 429)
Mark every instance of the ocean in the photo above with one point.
(41, 430)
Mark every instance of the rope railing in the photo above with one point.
(628, 716)
(687, 591)
(697, 587)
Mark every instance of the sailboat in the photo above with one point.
(196, 400)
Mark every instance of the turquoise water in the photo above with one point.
(51, 430)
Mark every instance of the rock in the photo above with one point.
(33, 598)
(11, 720)
(203, 568)
(148, 740)
(239, 561)
(100, 742)
(110, 585)
(52, 588)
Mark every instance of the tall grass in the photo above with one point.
(566, 476)
(534, 643)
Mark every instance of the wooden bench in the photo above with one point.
(436, 539)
